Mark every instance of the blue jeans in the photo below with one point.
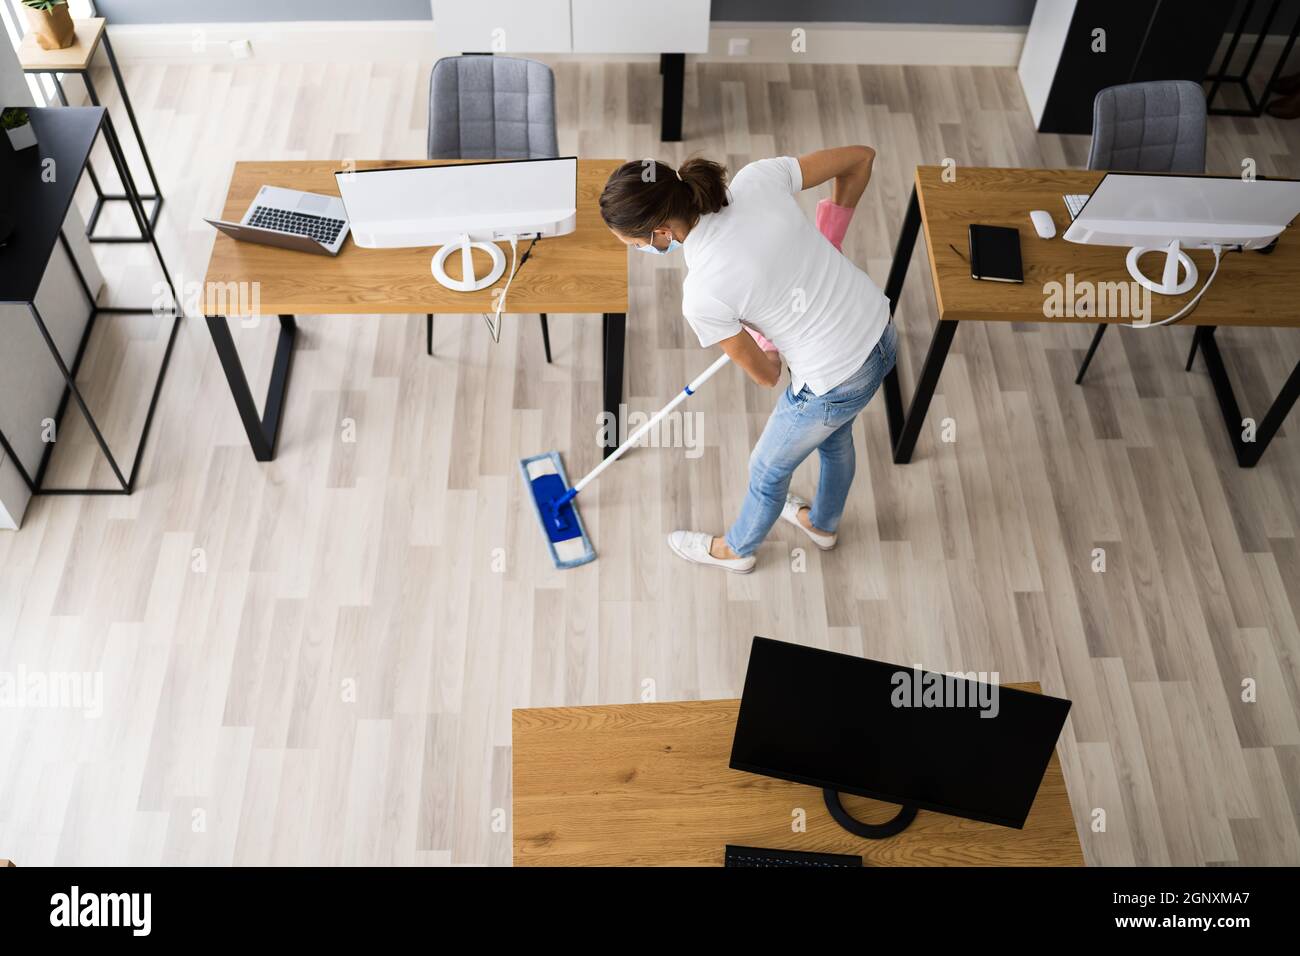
(799, 424)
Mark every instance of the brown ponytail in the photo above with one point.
(642, 195)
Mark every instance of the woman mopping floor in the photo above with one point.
(765, 284)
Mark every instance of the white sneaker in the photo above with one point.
(793, 505)
(694, 547)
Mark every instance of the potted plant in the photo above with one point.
(18, 127)
(51, 22)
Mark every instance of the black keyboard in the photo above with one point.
(321, 228)
(758, 856)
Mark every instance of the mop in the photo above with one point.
(552, 498)
(544, 473)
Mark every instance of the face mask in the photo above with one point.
(673, 245)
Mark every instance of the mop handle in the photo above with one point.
(655, 420)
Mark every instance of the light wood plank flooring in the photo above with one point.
(314, 660)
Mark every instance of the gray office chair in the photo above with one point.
(1156, 127)
(492, 107)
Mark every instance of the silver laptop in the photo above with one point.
(291, 219)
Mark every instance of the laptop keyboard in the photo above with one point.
(321, 228)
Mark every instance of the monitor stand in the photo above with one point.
(1169, 283)
(872, 831)
(469, 282)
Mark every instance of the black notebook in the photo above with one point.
(995, 254)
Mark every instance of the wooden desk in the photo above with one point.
(648, 784)
(585, 271)
(1250, 290)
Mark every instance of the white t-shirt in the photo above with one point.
(761, 261)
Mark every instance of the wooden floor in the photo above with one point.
(314, 660)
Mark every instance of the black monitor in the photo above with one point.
(918, 738)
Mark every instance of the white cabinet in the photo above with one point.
(670, 28)
(1042, 51)
(502, 26)
(636, 26)
(571, 26)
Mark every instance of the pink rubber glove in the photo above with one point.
(763, 343)
(833, 221)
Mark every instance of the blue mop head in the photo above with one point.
(553, 501)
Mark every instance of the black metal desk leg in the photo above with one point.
(893, 289)
(1248, 452)
(903, 251)
(925, 386)
(673, 68)
(1092, 350)
(893, 405)
(546, 337)
(264, 429)
(1273, 418)
(613, 331)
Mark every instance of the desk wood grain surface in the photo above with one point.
(648, 784)
(585, 271)
(1251, 289)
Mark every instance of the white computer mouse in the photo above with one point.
(1043, 225)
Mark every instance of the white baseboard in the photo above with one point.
(405, 40)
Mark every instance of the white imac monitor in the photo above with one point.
(461, 206)
(1169, 213)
